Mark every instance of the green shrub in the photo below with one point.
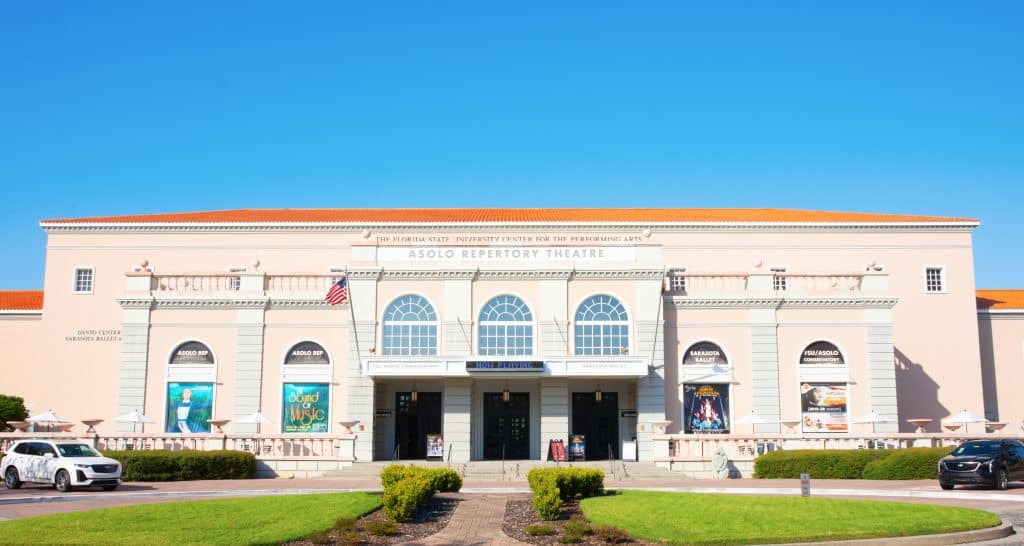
(540, 530)
(12, 408)
(344, 523)
(610, 534)
(546, 498)
(577, 526)
(906, 464)
(166, 466)
(569, 538)
(446, 480)
(349, 537)
(872, 464)
(393, 473)
(819, 463)
(381, 528)
(404, 496)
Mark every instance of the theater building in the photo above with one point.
(478, 334)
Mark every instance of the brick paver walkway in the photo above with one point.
(477, 521)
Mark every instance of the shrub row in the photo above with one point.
(170, 466)
(839, 464)
(406, 487)
(553, 486)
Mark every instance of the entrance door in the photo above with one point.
(507, 426)
(598, 422)
(414, 420)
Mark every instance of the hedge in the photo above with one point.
(553, 486)
(907, 464)
(406, 487)
(169, 466)
(852, 464)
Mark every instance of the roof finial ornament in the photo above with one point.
(646, 232)
(366, 234)
(255, 266)
(758, 264)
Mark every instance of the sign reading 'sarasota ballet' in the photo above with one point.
(705, 353)
(822, 352)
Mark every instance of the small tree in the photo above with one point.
(12, 408)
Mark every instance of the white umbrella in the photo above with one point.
(134, 417)
(965, 417)
(47, 417)
(752, 418)
(256, 418)
(873, 417)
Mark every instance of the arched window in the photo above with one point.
(602, 326)
(506, 327)
(410, 327)
(192, 352)
(307, 352)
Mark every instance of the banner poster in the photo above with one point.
(435, 446)
(189, 407)
(306, 408)
(824, 407)
(577, 447)
(706, 407)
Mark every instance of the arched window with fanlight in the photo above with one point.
(410, 327)
(601, 326)
(506, 327)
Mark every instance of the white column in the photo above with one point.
(457, 402)
(649, 341)
(135, 321)
(359, 398)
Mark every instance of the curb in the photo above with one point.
(1002, 530)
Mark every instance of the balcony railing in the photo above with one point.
(208, 283)
(784, 284)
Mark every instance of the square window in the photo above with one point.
(678, 284)
(779, 283)
(83, 280)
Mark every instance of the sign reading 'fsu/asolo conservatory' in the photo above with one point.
(705, 353)
(822, 353)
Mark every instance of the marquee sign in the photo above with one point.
(705, 353)
(307, 352)
(192, 352)
(504, 365)
(822, 353)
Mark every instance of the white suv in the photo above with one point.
(61, 464)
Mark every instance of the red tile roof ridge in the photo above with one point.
(510, 215)
(21, 300)
(1000, 298)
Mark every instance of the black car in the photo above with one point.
(983, 462)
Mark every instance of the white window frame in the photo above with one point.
(531, 323)
(944, 287)
(435, 323)
(780, 280)
(627, 324)
(74, 279)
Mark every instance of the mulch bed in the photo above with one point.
(519, 514)
(430, 517)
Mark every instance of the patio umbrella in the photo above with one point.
(47, 417)
(873, 417)
(256, 418)
(965, 417)
(134, 417)
(752, 418)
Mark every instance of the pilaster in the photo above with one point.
(764, 366)
(554, 412)
(359, 398)
(135, 325)
(881, 368)
(457, 401)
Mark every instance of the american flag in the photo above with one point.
(338, 292)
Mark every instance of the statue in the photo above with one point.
(720, 464)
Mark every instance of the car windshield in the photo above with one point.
(76, 450)
(988, 449)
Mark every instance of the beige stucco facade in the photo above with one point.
(252, 291)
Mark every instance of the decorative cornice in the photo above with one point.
(209, 303)
(356, 229)
(521, 274)
(823, 302)
(363, 273)
(136, 303)
(438, 274)
(302, 303)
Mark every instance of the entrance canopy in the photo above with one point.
(572, 366)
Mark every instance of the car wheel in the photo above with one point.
(109, 487)
(1001, 480)
(946, 486)
(63, 481)
(11, 479)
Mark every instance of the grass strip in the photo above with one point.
(697, 518)
(250, 521)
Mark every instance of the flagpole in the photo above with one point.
(352, 313)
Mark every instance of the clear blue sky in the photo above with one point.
(910, 107)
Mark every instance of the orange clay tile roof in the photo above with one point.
(1000, 299)
(639, 215)
(21, 299)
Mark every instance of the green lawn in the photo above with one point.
(253, 520)
(695, 518)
